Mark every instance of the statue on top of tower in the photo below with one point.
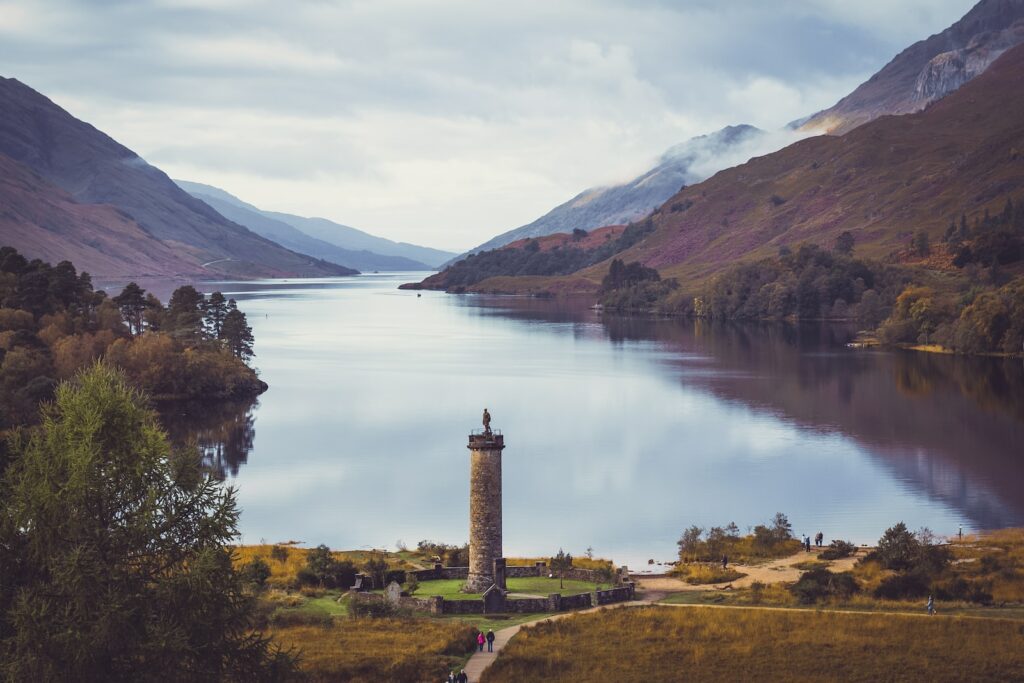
(487, 422)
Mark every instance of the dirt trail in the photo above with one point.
(783, 569)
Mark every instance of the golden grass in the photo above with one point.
(705, 643)
(374, 650)
(697, 573)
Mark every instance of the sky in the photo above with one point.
(441, 123)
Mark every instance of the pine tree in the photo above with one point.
(132, 303)
(215, 309)
(236, 333)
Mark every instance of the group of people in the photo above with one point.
(819, 540)
(481, 639)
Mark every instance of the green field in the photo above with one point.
(450, 589)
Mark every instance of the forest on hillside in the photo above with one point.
(979, 310)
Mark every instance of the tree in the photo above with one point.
(844, 243)
(215, 310)
(116, 564)
(255, 572)
(898, 547)
(237, 334)
(132, 304)
(782, 530)
(329, 571)
(377, 568)
(184, 318)
(689, 542)
(920, 243)
(561, 563)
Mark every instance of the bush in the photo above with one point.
(375, 607)
(255, 572)
(279, 553)
(837, 550)
(914, 584)
(821, 584)
(959, 588)
(396, 575)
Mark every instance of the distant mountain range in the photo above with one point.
(881, 181)
(683, 164)
(918, 76)
(68, 191)
(320, 237)
(929, 69)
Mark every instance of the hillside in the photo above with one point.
(929, 69)
(349, 239)
(882, 182)
(93, 169)
(40, 219)
(288, 236)
(534, 260)
(686, 163)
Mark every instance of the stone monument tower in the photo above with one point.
(484, 507)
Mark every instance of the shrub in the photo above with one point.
(396, 575)
(279, 553)
(821, 584)
(914, 584)
(255, 572)
(837, 550)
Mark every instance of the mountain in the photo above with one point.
(929, 69)
(91, 169)
(683, 164)
(882, 181)
(43, 221)
(339, 235)
(235, 209)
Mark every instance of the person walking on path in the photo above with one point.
(490, 640)
(931, 606)
(480, 641)
(819, 539)
(725, 561)
(807, 543)
(463, 677)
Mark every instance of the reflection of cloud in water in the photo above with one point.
(620, 432)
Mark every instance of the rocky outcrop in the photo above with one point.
(929, 69)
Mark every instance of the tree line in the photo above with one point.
(53, 323)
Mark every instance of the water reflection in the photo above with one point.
(223, 432)
(621, 431)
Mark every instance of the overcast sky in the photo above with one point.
(441, 123)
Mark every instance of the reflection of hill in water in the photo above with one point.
(223, 431)
(950, 426)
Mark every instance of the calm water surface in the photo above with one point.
(620, 431)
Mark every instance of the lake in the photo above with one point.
(619, 431)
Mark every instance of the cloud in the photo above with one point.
(446, 122)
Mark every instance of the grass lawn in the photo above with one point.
(449, 589)
(664, 644)
(495, 622)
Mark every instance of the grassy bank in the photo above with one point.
(663, 644)
(450, 589)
